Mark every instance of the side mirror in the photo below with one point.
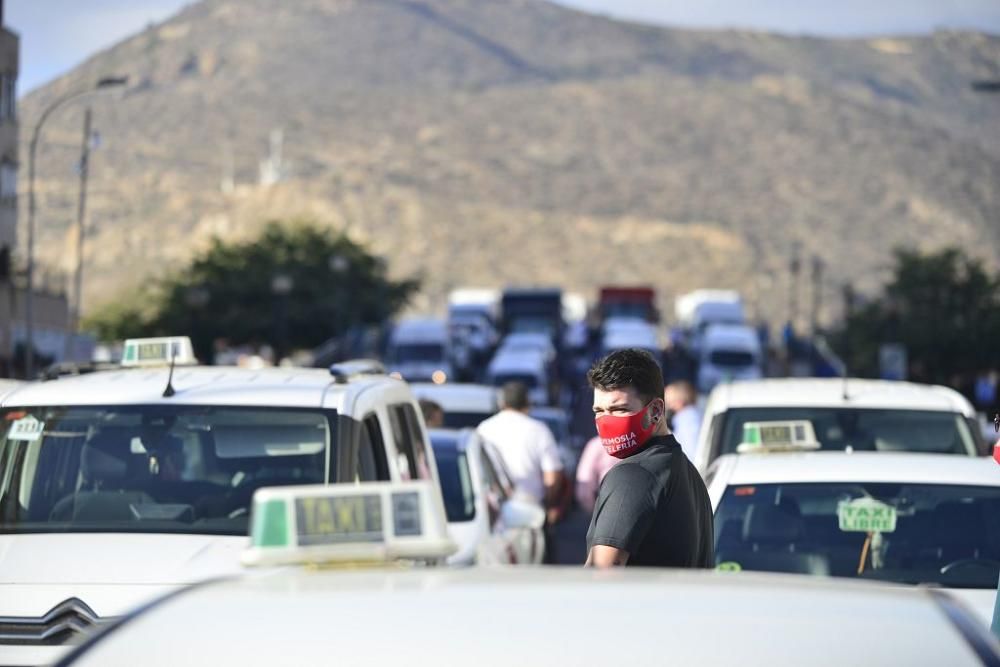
(519, 514)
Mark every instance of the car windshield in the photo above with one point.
(430, 352)
(734, 358)
(863, 429)
(456, 420)
(186, 469)
(909, 533)
(456, 482)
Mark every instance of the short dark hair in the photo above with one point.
(430, 408)
(514, 395)
(630, 367)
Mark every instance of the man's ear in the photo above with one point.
(658, 408)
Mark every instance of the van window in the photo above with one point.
(731, 358)
(409, 442)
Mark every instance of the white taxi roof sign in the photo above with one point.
(158, 351)
(341, 523)
(778, 436)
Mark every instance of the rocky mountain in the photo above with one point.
(493, 142)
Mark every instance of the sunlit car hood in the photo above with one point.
(116, 558)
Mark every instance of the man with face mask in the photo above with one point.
(652, 508)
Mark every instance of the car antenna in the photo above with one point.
(169, 391)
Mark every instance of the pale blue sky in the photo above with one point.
(58, 34)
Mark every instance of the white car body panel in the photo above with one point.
(304, 609)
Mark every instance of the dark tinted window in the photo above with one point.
(459, 420)
(731, 358)
(371, 452)
(429, 352)
(409, 441)
(863, 430)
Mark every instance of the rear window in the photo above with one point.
(863, 430)
(459, 420)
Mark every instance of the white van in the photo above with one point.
(418, 351)
(729, 352)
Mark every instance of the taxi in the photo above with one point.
(367, 592)
(930, 520)
(846, 414)
(118, 485)
(490, 523)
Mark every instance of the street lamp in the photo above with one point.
(106, 82)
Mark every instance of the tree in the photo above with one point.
(943, 307)
(294, 287)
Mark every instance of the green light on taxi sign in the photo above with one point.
(751, 434)
(270, 524)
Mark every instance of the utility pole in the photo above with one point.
(81, 215)
(817, 294)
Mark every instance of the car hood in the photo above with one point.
(116, 558)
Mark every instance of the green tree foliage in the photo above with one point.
(944, 307)
(294, 287)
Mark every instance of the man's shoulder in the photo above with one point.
(629, 473)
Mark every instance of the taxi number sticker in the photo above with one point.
(866, 515)
(27, 429)
(339, 519)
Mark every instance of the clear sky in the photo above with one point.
(58, 34)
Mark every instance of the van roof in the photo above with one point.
(195, 385)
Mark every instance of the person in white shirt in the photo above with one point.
(682, 400)
(528, 449)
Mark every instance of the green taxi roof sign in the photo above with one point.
(158, 351)
(372, 522)
(778, 436)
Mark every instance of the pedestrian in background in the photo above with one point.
(594, 465)
(685, 422)
(652, 508)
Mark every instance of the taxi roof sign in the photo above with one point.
(778, 436)
(340, 523)
(158, 351)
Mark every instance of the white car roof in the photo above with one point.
(518, 362)
(459, 397)
(305, 616)
(196, 385)
(829, 392)
(888, 467)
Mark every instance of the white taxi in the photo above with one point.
(403, 612)
(853, 415)
(489, 522)
(119, 485)
(904, 518)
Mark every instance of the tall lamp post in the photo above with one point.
(29, 314)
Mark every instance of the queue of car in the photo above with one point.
(137, 483)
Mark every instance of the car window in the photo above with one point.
(863, 429)
(190, 469)
(456, 483)
(911, 533)
(371, 464)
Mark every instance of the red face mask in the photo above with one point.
(623, 435)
